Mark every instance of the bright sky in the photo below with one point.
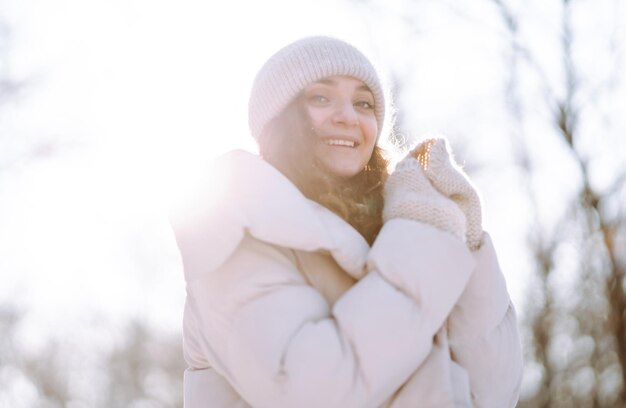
(138, 94)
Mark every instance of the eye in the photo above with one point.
(365, 104)
(318, 98)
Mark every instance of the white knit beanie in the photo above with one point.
(301, 63)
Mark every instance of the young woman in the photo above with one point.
(316, 280)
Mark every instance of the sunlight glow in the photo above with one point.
(136, 97)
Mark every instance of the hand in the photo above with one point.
(449, 179)
(409, 194)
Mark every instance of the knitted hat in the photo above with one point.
(301, 63)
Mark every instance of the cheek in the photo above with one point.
(370, 128)
(316, 116)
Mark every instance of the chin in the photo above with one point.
(343, 173)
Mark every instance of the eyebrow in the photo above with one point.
(327, 81)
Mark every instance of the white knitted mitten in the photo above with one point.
(450, 180)
(409, 194)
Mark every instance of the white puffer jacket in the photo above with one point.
(287, 306)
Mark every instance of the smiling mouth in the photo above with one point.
(340, 142)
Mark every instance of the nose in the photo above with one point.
(345, 114)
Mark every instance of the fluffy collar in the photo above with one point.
(248, 195)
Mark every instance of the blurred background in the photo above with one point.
(109, 109)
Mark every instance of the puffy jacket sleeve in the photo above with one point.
(484, 335)
(280, 344)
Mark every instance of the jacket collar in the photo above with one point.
(250, 195)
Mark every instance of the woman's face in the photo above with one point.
(341, 109)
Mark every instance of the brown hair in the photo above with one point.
(286, 144)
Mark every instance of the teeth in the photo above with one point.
(339, 142)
